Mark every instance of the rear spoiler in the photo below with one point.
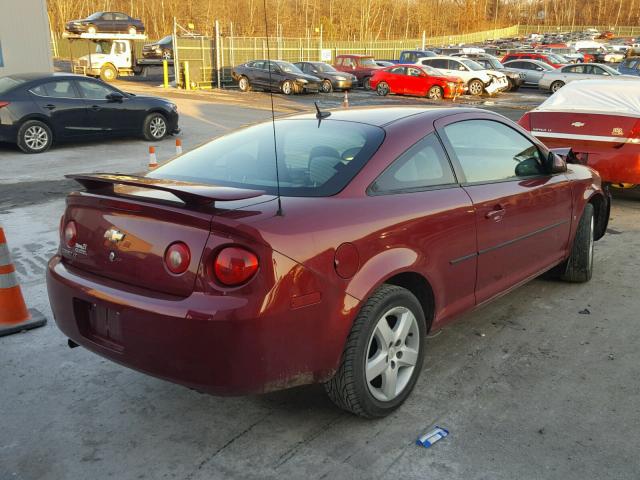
(192, 194)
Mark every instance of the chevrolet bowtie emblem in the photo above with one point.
(577, 124)
(113, 235)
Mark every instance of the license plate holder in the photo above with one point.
(100, 324)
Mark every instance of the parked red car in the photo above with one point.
(362, 66)
(416, 80)
(532, 56)
(603, 130)
(385, 223)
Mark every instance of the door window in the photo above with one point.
(94, 90)
(413, 72)
(59, 89)
(397, 70)
(422, 166)
(120, 17)
(107, 17)
(490, 151)
(437, 63)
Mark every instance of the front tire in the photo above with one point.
(366, 83)
(555, 86)
(244, 85)
(579, 267)
(155, 127)
(383, 89)
(167, 55)
(108, 73)
(91, 29)
(132, 30)
(435, 93)
(476, 87)
(383, 355)
(34, 136)
(327, 86)
(287, 87)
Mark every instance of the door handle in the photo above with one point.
(496, 214)
(50, 106)
(95, 108)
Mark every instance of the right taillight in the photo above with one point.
(234, 266)
(70, 234)
(525, 121)
(3, 104)
(634, 134)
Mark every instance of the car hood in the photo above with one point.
(495, 73)
(309, 78)
(337, 74)
(78, 20)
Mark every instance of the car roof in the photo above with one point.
(384, 116)
(446, 57)
(29, 77)
(359, 55)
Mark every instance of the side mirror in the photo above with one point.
(115, 97)
(539, 69)
(557, 160)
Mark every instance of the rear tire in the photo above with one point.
(383, 355)
(155, 127)
(579, 266)
(435, 93)
(34, 136)
(555, 86)
(132, 30)
(91, 29)
(366, 83)
(288, 87)
(167, 55)
(108, 73)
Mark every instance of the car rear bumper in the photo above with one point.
(215, 344)
(8, 133)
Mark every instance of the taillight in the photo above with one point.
(3, 104)
(70, 234)
(634, 134)
(234, 266)
(177, 258)
(525, 121)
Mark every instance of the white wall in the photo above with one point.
(24, 37)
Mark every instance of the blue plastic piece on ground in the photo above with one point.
(432, 437)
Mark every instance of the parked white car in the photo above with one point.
(558, 78)
(476, 77)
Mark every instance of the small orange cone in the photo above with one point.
(178, 146)
(345, 101)
(14, 315)
(153, 161)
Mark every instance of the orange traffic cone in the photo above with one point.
(14, 315)
(153, 161)
(345, 101)
(178, 146)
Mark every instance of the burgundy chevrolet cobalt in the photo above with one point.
(221, 273)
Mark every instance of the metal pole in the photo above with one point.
(424, 39)
(165, 72)
(217, 26)
(231, 45)
(176, 59)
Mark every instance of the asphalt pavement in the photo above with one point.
(540, 384)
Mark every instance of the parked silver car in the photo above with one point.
(558, 78)
(532, 69)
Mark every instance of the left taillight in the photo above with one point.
(70, 234)
(177, 258)
(3, 104)
(234, 266)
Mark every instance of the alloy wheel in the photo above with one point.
(158, 127)
(326, 86)
(392, 354)
(36, 137)
(475, 88)
(382, 89)
(435, 93)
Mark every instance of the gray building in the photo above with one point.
(24, 37)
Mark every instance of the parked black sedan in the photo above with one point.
(332, 79)
(39, 109)
(163, 49)
(106, 22)
(274, 75)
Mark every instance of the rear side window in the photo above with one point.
(424, 165)
(59, 89)
(313, 160)
(397, 70)
(7, 83)
(490, 151)
(437, 63)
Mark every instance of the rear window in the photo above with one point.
(7, 83)
(313, 160)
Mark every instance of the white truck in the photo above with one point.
(111, 55)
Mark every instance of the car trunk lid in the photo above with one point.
(125, 224)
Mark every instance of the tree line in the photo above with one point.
(353, 19)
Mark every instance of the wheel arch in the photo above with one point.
(41, 118)
(420, 287)
(601, 209)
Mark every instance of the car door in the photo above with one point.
(534, 72)
(120, 23)
(60, 101)
(414, 81)
(257, 74)
(395, 78)
(420, 185)
(106, 23)
(523, 215)
(104, 115)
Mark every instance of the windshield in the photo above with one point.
(7, 83)
(472, 65)
(94, 16)
(544, 65)
(610, 71)
(323, 67)
(288, 67)
(314, 160)
(368, 62)
(557, 58)
(493, 62)
(167, 39)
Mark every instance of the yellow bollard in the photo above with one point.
(187, 82)
(165, 72)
